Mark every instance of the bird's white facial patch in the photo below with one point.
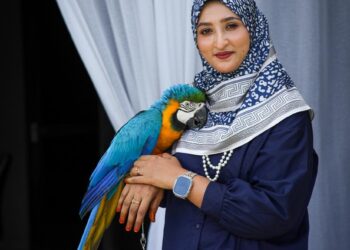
(187, 111)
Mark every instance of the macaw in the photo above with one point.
(152, 131)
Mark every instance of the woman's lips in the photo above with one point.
(223, 55)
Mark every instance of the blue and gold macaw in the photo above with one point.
(149, 132)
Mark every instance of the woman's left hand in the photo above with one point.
(135, 201)
(157, 170)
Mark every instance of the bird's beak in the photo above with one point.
(199, 119)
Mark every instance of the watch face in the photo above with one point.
(182, 186)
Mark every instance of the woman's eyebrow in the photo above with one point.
(230, 19)
(203, 24)
(222, 21)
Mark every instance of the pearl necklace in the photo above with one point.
(222, 163)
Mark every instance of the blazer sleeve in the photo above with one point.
(274, 200)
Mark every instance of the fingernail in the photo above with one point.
(136, 229)
(153, 219)
(118, 209)
(121, 221)
(127, 229)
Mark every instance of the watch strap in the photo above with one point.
(190, 174)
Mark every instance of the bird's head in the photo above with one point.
(183, 105)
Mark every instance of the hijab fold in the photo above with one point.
(244, 103)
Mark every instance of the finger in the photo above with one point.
(145, 157)
(138, 180)
(132, 172)
(139, 164)
(141, 213)
(125, 208)
(155, 205)
(133, 209)
(135, 171)
(166, 155)
(122, 197)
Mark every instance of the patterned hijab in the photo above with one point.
(244, 103)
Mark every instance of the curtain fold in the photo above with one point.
(134, 49)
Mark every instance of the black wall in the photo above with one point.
(14, 194)
(53, 126)
(62, 126)
(49, 125)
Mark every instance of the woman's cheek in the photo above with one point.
(204, 45)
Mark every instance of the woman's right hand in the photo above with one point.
(135, 201)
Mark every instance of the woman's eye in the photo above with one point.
(231, 26)
(205, 31)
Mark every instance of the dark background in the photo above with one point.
(53, 129)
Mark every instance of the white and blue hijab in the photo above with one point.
(248, 101)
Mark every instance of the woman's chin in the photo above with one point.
(226, 70)
(225, 67)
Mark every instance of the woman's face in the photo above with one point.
(222, 38)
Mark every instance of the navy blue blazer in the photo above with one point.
(259, 201)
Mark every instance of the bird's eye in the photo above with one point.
(186, 106)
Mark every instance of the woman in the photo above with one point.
(243, 181)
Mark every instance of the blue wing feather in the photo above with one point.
(95, 194)
(137, 137)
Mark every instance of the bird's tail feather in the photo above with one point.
(94, 195)
(100, 219)
(88, 227)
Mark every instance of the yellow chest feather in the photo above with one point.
(167, 134)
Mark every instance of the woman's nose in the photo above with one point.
(221, 40)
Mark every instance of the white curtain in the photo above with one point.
(133, 49)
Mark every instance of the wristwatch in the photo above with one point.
(183, 184)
